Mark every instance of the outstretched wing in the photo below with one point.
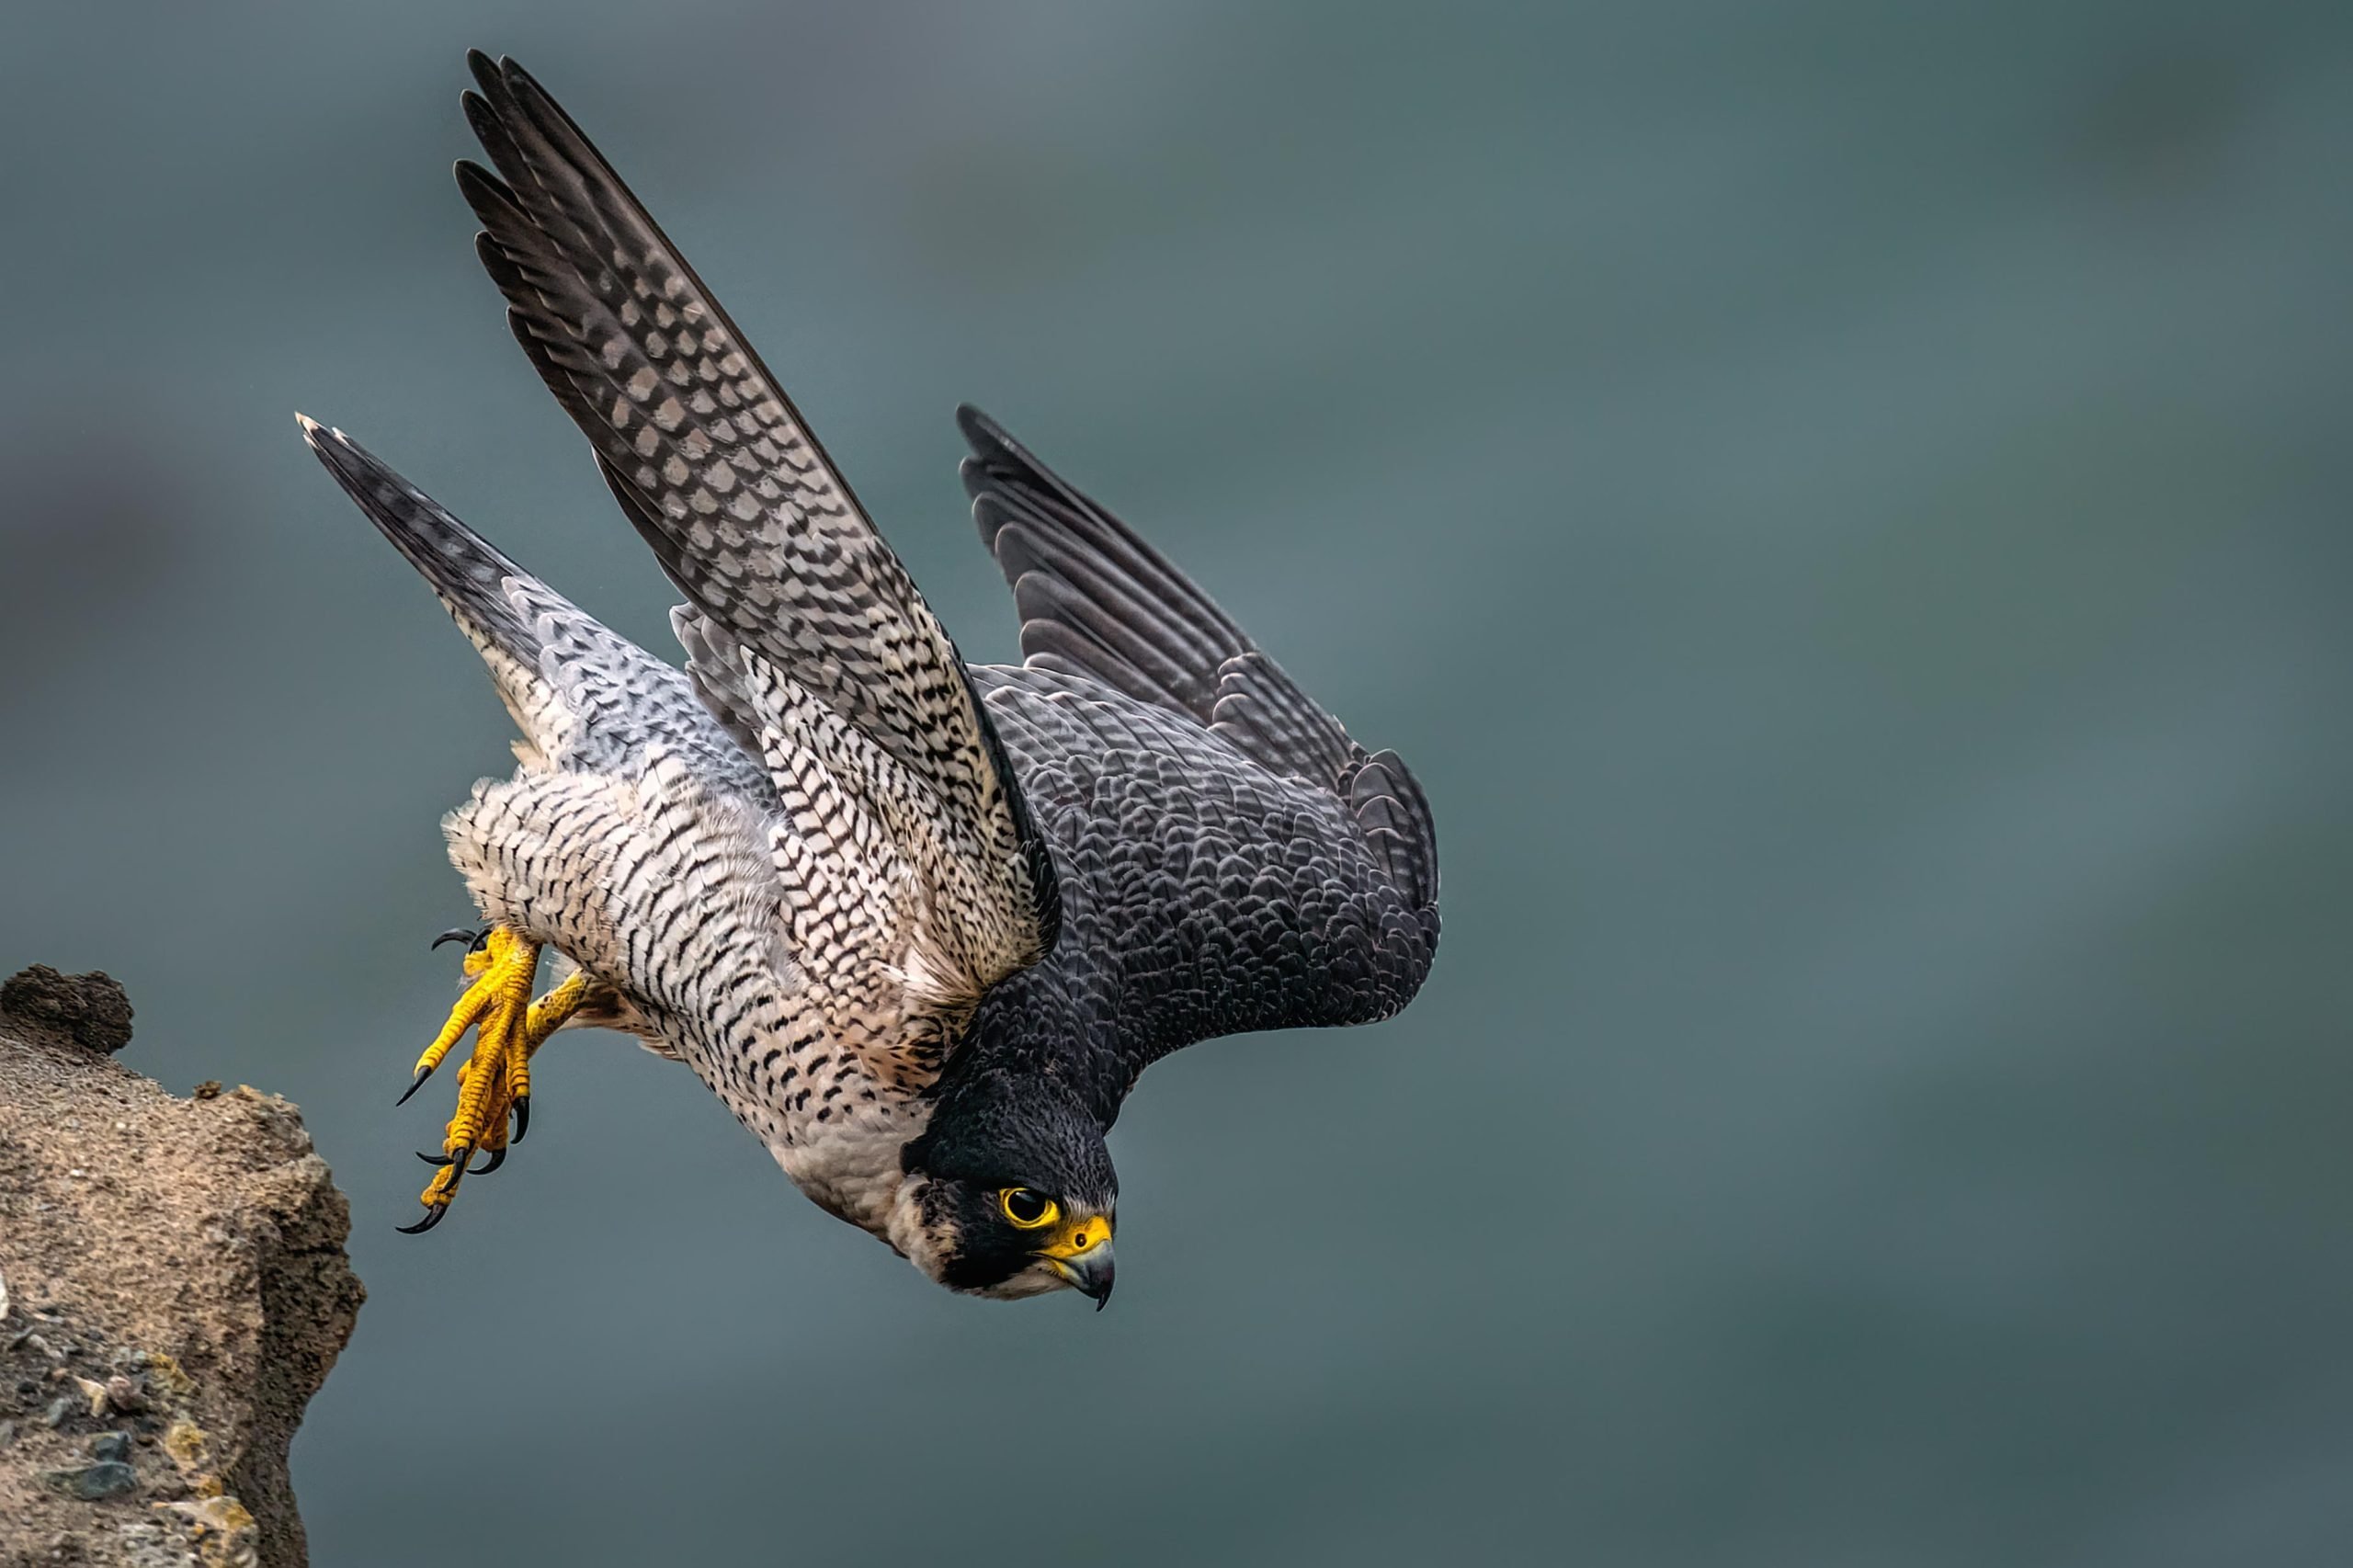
(806, 635)
(1241, 862)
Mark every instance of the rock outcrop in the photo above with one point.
(172, 1290)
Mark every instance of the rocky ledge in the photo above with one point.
(172, 1290)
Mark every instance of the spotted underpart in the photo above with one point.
(919, 925)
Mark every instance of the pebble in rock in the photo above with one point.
(59, 1409)
(97, 1483)
(111, 1446)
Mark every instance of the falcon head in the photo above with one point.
(1010, 1193)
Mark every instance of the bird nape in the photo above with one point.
(920, 924)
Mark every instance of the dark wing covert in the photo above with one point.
(1249, 866)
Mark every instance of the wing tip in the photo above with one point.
(485, 70)
(492, 198)
(995, 448)
(341, 454)
(977, 426)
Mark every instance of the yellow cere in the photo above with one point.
(1082, 1236)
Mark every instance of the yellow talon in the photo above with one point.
(496, 1079)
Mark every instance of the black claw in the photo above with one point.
(466, 934)
(497, 1158)
(415, 1083)
(522, 1119)
(433, 1159)
(432, 1218)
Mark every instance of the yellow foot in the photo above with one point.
(495, 1081)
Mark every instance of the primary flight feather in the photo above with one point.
(920, 924)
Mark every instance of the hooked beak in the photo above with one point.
(1080, 1254)
(1090, 1273)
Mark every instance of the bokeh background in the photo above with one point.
(1845, 505)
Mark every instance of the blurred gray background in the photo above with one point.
(1844, 505)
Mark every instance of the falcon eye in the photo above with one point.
(1027, 1208)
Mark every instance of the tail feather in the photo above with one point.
(475, 580)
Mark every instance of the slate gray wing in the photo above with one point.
(1231, 858)
(808, 638)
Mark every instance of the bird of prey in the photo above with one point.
(920, 924)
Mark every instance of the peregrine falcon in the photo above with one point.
(920, 924)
